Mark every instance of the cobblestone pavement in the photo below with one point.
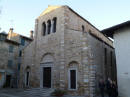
(25, 93)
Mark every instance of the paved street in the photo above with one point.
(36, 92)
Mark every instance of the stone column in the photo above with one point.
(46, 29)
(52, 25)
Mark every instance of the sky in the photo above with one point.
(21, 14)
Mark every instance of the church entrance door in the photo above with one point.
(47, 77)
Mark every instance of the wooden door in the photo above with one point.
(47, 77)
(72, 79)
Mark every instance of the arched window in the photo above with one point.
(48, 27)
(54, 24)
(44, 28)
(72, 75)
(82, 28)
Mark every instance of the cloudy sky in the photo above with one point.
(21, 14)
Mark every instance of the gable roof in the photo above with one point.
(52, 8)
(11, 41)
(27, 38)
(49, 9)
(98, 35)
(5, 34)
(110, 31)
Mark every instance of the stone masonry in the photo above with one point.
(11, 46)
(77, 47)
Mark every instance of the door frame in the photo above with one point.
(69, 81)
(43, 77)
(26, 79)
(10, 76)
(42, 66)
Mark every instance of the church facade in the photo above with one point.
(68, 53)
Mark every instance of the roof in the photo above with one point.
(82, 18)
(108, 41)
(11, 41)
(3, 34)
(28, 38)
(110, 31)
(52, 8)
(49, 9)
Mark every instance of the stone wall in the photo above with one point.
(70, 47)
(87, 48)
(5, 56)
(42, 45)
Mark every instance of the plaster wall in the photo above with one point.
(122, 49)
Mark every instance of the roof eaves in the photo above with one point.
(10, 41)
(111, 30)
(26, 37)
(87, 21)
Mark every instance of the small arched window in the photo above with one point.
(44, 28)
(82, 28)
(54, 24)
(48, 27)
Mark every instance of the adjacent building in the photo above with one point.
(8, 61)
(121, 35)
(23, 41)
(67, 52)
(11, 46)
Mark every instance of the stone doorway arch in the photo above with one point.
(27, 76)
(46, 69)
(73, 75)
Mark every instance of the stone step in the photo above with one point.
(36, 92)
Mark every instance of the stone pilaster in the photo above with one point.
(85, 64)
(62, 56)
(88, 67)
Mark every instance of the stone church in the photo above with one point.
(67, 52)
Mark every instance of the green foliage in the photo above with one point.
(58, 93)
(4, 86)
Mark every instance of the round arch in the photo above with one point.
(46, 69)
(27, 76)
(48, 57)
(73, 64)
(73, 67)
